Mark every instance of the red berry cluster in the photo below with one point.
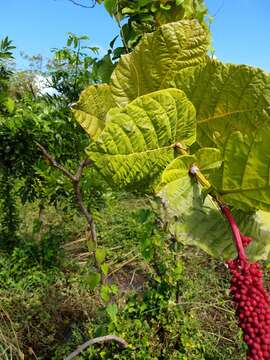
(252, 307)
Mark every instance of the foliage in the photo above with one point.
(53, 310)
(166, 109)
(194, 218)
(219, 92)
(70, 69)
(245, 184)
(91, 109)
(159, 55)
(46, 120)
(28, 263)
(148, 142)
(34, 121)
(227, 97)
(153, 322)
(6, 48)
(138, 17)
(9, 215)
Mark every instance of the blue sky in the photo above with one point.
(241, 28)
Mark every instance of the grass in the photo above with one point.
(47, 311)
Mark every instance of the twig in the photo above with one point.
(75, 242)
(83, 255)
(122, 265)
(82, 5)
(84, 210)
(122, 343)
(54, 163)
(218, 335)
(132, 278)
(115, 247)
(75, 179)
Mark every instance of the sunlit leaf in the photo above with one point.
(244, 182)
(93, 280)
(157, 58)
(138, 140)
(227, 98)
(195, 220)
(91, 109)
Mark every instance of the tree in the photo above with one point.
(6, 47)
(45, 120)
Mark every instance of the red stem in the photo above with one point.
(236, 233)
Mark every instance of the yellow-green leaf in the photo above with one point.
(100, 255)
(227, 98)
(195, 220)
(245, 179)
(157, 58)
(93, 280)
(105, 269)
(138, 140)
(91, 109)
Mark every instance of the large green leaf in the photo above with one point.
(195, 220)
(91, 109)
(158, 56)
(245, 178)
(227, 98)
(138, 140)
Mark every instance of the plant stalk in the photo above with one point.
(195, 171)
(75, 179)
(236, 233)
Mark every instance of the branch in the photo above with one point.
(84, 6)
(82, 165)
(83, 208)
(97, 340)
(75, 179)
(54, 163)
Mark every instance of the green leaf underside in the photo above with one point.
(91, 109)
(193, 220)
(245, 178)
(138, 140)
(158, 56)
(227, 98)
(93, 280)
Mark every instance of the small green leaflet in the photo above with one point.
(100, 255)
(157, 58)
(138, 140)
(227, 98)
(105, 269)
(112, 311)
(195, 220)
(91, 109)
(245, 179)
(93, 279)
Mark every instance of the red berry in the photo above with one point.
(252, 307)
